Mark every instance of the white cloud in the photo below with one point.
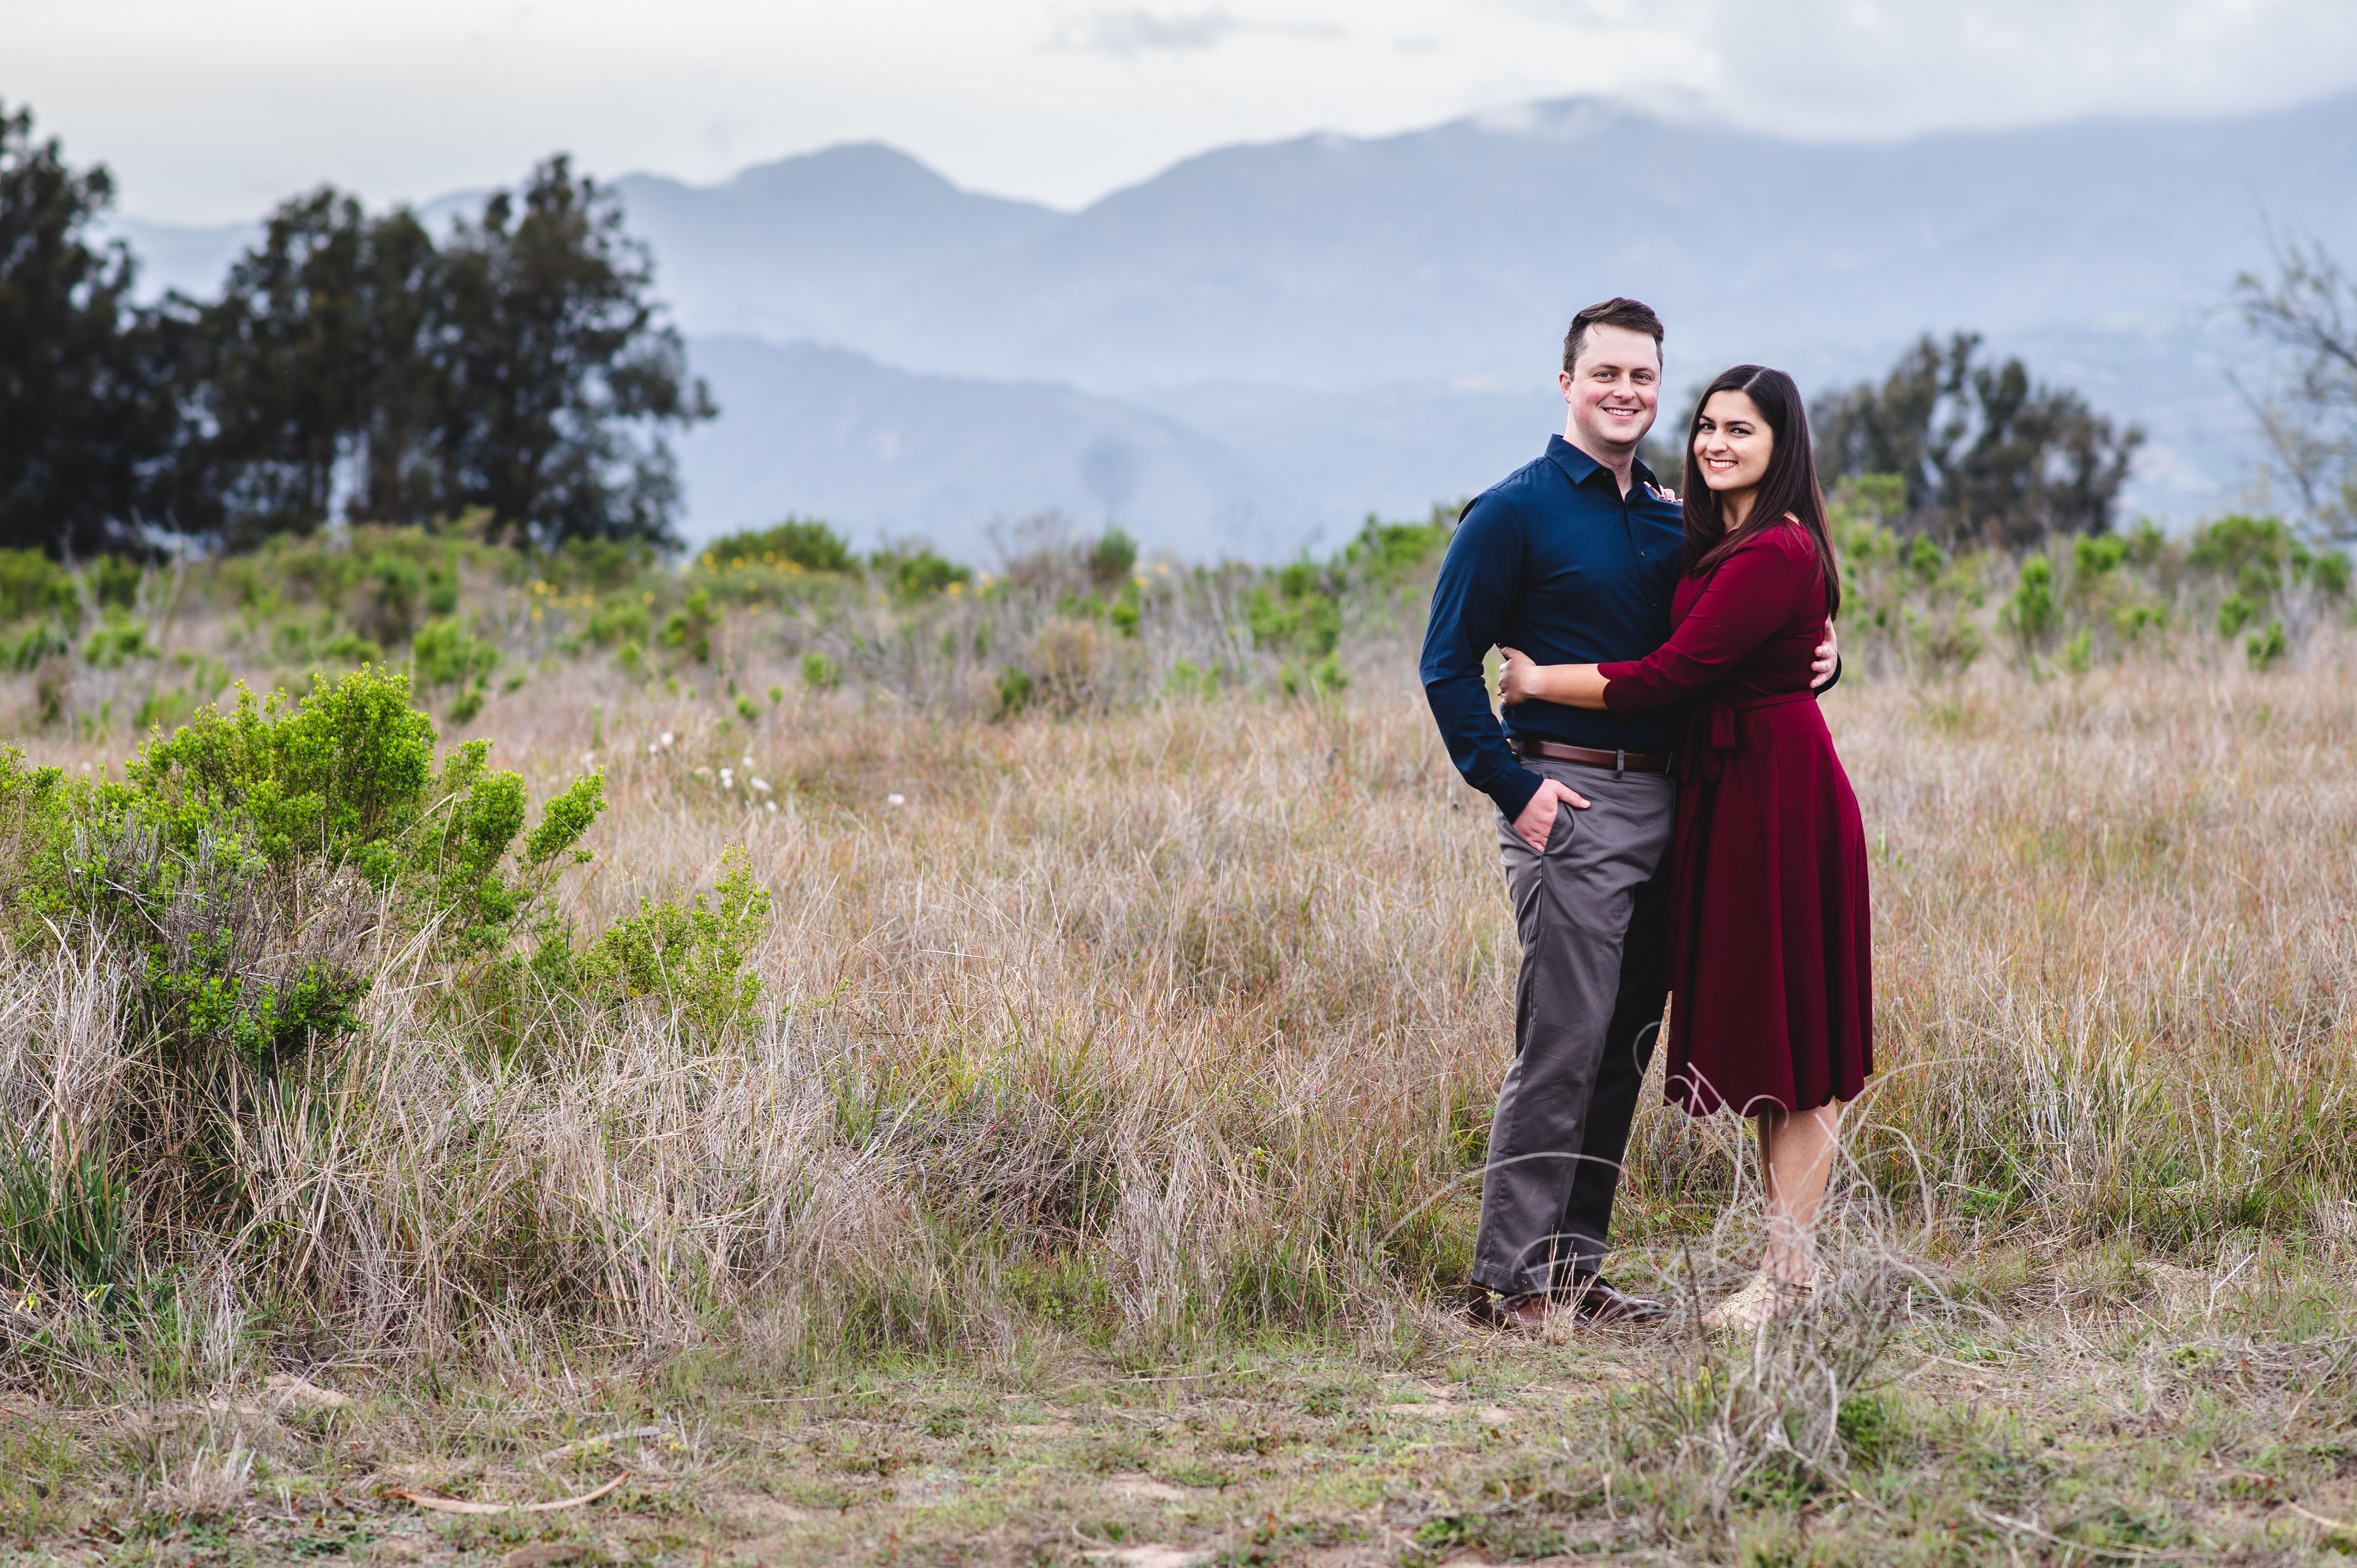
(213, 108)
(1125, 34)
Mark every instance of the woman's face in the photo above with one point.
(1731, 443)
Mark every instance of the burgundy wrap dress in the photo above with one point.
(1772, 979)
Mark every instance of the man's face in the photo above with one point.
(1613, 389)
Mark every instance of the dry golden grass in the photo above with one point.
(1119, 1043)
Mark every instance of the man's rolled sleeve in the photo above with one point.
(1470, 606)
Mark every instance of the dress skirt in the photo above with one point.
(1770, 951)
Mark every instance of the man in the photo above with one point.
(1571, 559)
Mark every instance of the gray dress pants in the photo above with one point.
(1592, 912)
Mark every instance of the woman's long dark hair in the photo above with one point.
(1788, 489)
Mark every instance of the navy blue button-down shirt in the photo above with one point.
(1556, 562)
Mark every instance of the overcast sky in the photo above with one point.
(212, 110)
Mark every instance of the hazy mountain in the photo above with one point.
(1285, 336)
(945, 458)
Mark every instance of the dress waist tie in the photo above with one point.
(1710, 739)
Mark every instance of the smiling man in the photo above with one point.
(1571, 559)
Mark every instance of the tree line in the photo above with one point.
(514, 370)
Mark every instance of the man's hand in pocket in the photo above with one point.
(1537, 824)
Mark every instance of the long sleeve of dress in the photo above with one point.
(1748, 599)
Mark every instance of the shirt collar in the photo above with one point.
(1579, 468)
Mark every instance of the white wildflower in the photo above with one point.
(896, 800)
(666, 737)
(761, 784)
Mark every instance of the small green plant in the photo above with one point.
(689, 630)
(445, 654)
(1298, 614)
(820, 673)
(690, 956)
(2079, 652)
(2033, 612)
(2264, 648)
(63, 1223)
(1016, 689)
(2235, 613)
(803, 544)
(911, 576)
(1112, 558)
(117, 641)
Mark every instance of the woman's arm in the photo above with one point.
(1748, 598)
(1573, 685)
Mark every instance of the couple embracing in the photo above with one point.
(1671, 814)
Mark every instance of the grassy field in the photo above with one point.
(1087, 1180)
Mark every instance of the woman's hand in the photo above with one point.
(1521, 680)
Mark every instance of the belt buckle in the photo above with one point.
(1619, 762)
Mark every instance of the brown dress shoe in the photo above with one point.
(1491, 1310)
(1592, 1299)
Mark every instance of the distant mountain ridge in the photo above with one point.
(1283, 337)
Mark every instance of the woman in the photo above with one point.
(1771, 982)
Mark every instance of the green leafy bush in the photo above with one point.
(258, 860)
(800, 544)
(1112, 558)
(33, 584)
(911, 576)
(691, 957)
(2033, 613)
(689, 630)
(1299, 614)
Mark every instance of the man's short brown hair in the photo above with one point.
(1632, 314)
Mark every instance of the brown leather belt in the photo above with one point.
(1588, 756)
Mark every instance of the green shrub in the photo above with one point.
(447, 654)
(2235, 613)
(118, 641)
(114, 582)
(1112, 558)
(619, 619)
(915, 575)
(690, 956)
(252, 859)
(2329, 573)
(1296, 612)
(796, 544)
(32, 585)
(689, 630)
(24, 654)
(820, 673)
(1016, 689)
(1388, 551)
(2263, 649)
(2033, 612)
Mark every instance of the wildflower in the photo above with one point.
(653, 750)
(666, 737)
(896, 800)
(728, 778)
(762, 785)
(771, 805)
(749, 760)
